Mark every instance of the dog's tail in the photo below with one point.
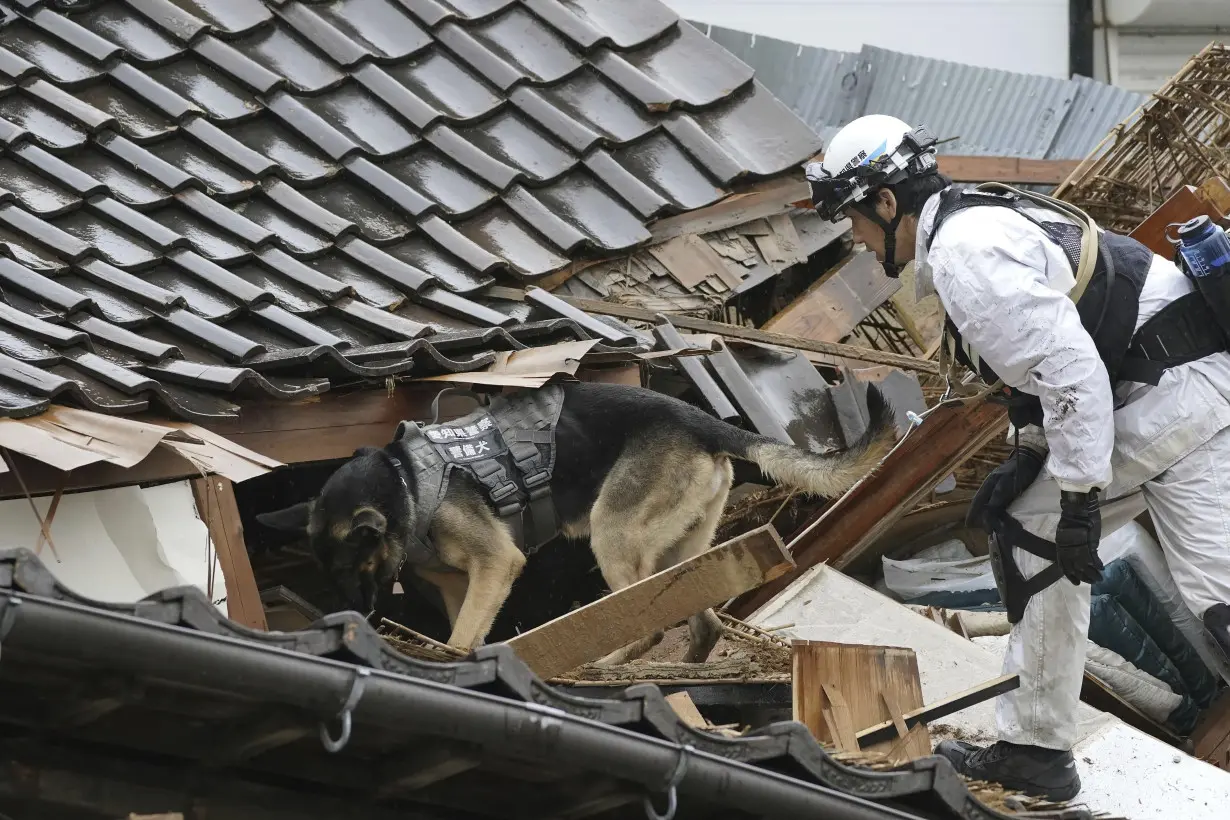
(829, 475)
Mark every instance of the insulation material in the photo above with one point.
(120, 545)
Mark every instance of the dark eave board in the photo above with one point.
(170, 695)
(205, 200)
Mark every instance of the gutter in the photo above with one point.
(157, 651)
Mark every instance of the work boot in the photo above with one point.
(1217, 622)
(1033, 770)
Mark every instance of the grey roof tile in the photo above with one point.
(200, 189)
(592, 99)
(627, 24)
(50, 128)
(441, 82)
(170, 18)
(298, 160)
(527, 44)
(441, 181)
(135, 119)
(384, 28)
(34, 191)
(57, 61)
(498, 231)
(293, 235)
(288, 56)
(227, 16)
(195, 161)
(511, 139)
(221, 98)
(354, 111)
(143, 41)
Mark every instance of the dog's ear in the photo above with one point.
(291, 519)
(368, 524)
(365, 451)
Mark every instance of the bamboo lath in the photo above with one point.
(1180, 136)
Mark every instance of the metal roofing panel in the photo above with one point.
(1097, 109)
(989, 112)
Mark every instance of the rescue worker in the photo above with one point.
(1118, 387)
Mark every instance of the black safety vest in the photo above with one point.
(1108, 308)
(508, 447)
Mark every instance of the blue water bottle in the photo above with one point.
(1205, 249)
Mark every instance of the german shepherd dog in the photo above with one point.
(645, 476)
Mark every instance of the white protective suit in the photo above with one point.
(1163, 448)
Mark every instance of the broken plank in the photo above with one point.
(216, 505)
(728, 331)
(655, 603)
(682, 260)
(681, 703)
(830, 309)
(788, 240)
(887, 730)
(771, 197)
(850, 682)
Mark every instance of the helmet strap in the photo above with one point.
(891, 268)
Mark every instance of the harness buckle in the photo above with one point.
(503, 491)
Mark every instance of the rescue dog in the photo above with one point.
(643, 475)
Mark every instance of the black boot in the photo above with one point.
(1033, 770)
(1217, 622)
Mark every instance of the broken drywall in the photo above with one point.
(122, 544)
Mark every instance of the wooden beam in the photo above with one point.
(1012, 170)
(831, 308)
(849, 526)
(888, 730)
(657, 602)
(727, 331)
(856, 684)
(215, 502)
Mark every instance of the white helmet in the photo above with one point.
(869, 153)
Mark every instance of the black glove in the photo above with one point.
(1076, 539)
(1002, 486)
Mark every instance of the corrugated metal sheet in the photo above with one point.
(992, 112)
(1098, 108)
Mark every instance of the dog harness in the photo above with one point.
(508, 447)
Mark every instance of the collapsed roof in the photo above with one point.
(208, 199)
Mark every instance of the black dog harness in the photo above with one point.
(508, 447)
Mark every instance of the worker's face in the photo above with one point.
(870, 234)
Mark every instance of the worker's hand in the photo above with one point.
(1076, 539)
(1002, 486)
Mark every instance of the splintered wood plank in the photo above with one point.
(215, 503)
(657, 602)
(851, 683)
(830, 309)
(690, 261)
(686, 709)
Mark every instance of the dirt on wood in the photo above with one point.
(734, 658)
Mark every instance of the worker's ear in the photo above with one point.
(886, 204)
